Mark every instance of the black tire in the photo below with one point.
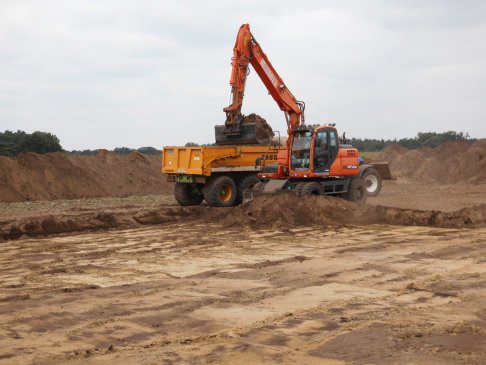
(298, 188)
(356, 191)
(246, 182)
(311, 188)
(187, 194)
(372, 181)
(220, 192)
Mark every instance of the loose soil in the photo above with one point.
(264, 132)
(280, 280)
(204, 293)
(273, 211)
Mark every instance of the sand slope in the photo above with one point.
(59, 175)
(451, 162)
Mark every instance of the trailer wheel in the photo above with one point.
(356, 191)
(372, 181)
(246, 182)
(187, 194)
(220, 192)
(311, 188)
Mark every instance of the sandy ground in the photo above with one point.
(200, 293)
(445, 198)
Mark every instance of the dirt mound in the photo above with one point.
(390, 153)
(288, 210)
(264, 133)
(281, 211)
(51, 224)
(449, 163)
(59, 175)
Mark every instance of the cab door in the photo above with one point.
(326, 149)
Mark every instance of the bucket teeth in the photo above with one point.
(267, 188)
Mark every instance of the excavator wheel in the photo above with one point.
(372, 181)
(246, 182)
(356, 191)
(187, 194)
(311, 188)
(298, 188)
(220, 191)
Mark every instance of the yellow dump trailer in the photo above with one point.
(217, 174)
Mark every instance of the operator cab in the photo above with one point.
(313, 150)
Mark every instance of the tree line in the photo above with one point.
(119, 151)
(427, 139)
(14, 143)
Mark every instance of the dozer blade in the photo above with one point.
(383, 169)
(247, 136)
(266, 188)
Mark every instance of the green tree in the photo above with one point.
(84, 152)
(13, 143)
(149, 151)
(123, 150)
(423, 139)
(41, 142)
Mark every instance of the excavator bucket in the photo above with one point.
(253, 129)
(248, 135)
(266, 188)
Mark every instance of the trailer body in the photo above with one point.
(217, 174)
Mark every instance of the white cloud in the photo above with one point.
(121, 73)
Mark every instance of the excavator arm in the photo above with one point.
(245, 52)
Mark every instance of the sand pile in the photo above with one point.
(59, 175)
(451, 162)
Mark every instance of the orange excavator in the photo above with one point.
(315, 160)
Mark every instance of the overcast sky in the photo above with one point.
(102, 74)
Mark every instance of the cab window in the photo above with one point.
(334, 144)
(300, 154)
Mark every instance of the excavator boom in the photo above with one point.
(245, 52)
